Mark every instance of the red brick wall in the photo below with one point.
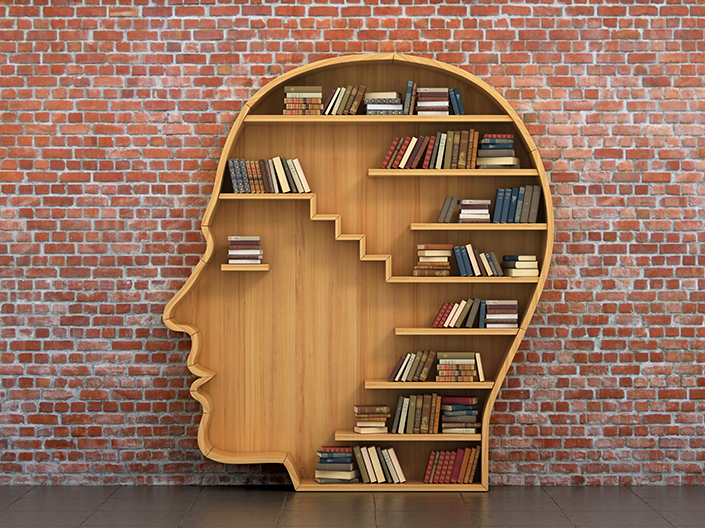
(112, 122)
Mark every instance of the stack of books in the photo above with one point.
(378, 465)
(473, 314)
(335, 466)
(502, 313)
(459, 367)
(460, 415)
(303, 100)
(432, 101)
(417, 414)
(344, 100)
(474, 211)
(520, 265)
(413, 366)
(276, 175)
(244, 250)
(433, 260)
(518, 205)
(497, 152)
(473, 263)
(371, 419)
(384, 103)
(452, 467)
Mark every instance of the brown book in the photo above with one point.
(391, 150)
(417, 414)
(434, 246)
(414, 95)
(402, 151)
(425, 414)
(483, 271)
(437, 418)
(464, 466)
(474, 465)
(440, 314)
(442, 463)
(394, 154)
(448, 156)
(344, 100)
(468, 468)
(351, 100)
(432, 416)
(473, 157)
(410, 415)
(412, 157)
(251, 177)
(456, 150)
(419, 367)
(421, 152)
(435, 470)
(463, 149)
(265, 179)
(429, 465)
(427, 366)
(371, 409)
(358, 99)
(430, 273)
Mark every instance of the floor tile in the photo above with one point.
(684, 517)
(62, 498)
(329, 501)
(151, 498)
(43, 519)
(585, 498)
(597, 516)
(345, 518)
(534, 499)
(419, 518)
(217, 519)
(419, 501)
(235, 499)
(520, 518)
(157, 519)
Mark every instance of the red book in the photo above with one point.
(429, 151)
(441, 312)
(429, 466)
(455, 472)
(460, 400)
(401, 152)
(451, 462)
(421, 152)
(336, 449)
(439, 468)
(389, 153)
(449, 309)
(498, 136)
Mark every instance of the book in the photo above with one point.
(474, 151)
(460, 261)
(397, 465)
(426, 158)
(520, 264)
(383, 465)
(444, 209)
(402, 151)
(384, 409)
(495, 264)
(499, 152)
(463, 314)
(434, 153)
(474, 466)
(403, 416)
(461, 400)
(407, 96)
(420, 153)
(524, 219)
(418, 413)
(463, 149)
(281, 175)
(407, 154)
(425, 414)
(396, 368)
(437, 320)
(512, 205)
(359, 96)
(361, 464)
(481, 319)
(498, 203)
(480, 370)
(456, 149)
(390, 152)
(520, 203)
(411, 415)
(368, 464)
(419, 368)
(459, 99)
(535, 199)
(508, 161)
(429, 466)
(457, 465)
(301, 175)
(451, 209)
(427, 366)
(370, 430)
(448, 150)
(390, 466)
(441, 151)
(335, 467)
(521, 272)
(453, 101)
(374, 458)
(295, 176)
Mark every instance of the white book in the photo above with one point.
(244, 261)
(403, 416)
(505, 160)
(376, 464)
(380, 106)
(301, 95)
(332, 102)
(473, 260)
(457, 313)
(294, 176)
(368, 464)
(244, 252)
(433, 259)
(474, 202)
(480, 370)
(466, 430)
(456, 361)
(431, 103)
(397, 465)
(410, 365)
(243, 238)
(281, 175)
(407, 154)
(431, 112)
(453, 311)
(402, 369)
(390, 466)
(441, 151)
(501, 316)
(302, 176)
(341, 95)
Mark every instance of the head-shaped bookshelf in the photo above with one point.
(283, 351)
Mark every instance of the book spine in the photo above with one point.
(429, 153)
(389, 153)
(407, 97)
(402, 152)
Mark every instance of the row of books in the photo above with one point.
(471, 211)
(452, 467)
(478, 313)
(344, 100)
(431, 101)
(276, 175)
(432, 413)
(371, 419)
(518, 205)
(303, 100)
(452, 366)
(433, 260)
(452, 150)
(244, 250)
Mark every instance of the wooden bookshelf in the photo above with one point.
(281, 357)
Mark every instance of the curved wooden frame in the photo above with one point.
(249, 114)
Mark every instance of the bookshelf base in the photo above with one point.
(409, 485)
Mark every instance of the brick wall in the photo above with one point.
(113, 115)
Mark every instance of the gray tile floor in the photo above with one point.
(215, 507)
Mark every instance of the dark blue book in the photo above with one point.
(453, 101)
(496, 146)
(515, 258)
(455, 407)
(498, 203)
(466, 261)
(474, 412)
(483, 311)
(512, 205)
(491, 265)
(520, 205)
(505, 206)
(243, 175)
(459, 261)
(338, 460)
(323, 455)
(496, 141)
(461, 107)
(407, 98)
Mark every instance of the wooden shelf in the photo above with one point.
(266, 196)
(373, 120)
(455, 331)
(429, 385)
(244, 267)
(352, 436)
(435, 226)
(409, 485)
(446, 173)
(455, 279)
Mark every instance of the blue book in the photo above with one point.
(461, 107)
(454, 407)
(520, 205)
(515, 258)
(505, 206)
(483, 311)
(243, 176)
(233, 176)
(339, 460)
(459, 261)
(491, 264)
(321, 455)
(498, 202)
(462, 413)
(495, 146)
(407, 98)
(466, 261)
(496, 141)
(512, 205)
(453, 101)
